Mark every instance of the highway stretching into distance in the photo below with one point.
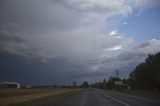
(95, 97)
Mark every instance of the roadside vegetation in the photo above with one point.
(144, 80)
(12, 96)
(146, 75)
(141, 92)
(47, 99)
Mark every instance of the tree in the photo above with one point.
(111, 81)
(85, 84)
(124, 81)
(146, 75)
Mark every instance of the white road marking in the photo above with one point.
(116, 99)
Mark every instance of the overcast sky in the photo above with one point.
(60, 41)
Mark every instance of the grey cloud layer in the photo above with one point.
(61, 28)
(126, 61)
(71, 30)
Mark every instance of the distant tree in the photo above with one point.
(55, 86)
(111, 82)
(98, 85)
(102, 85)
(124, 81)
(85, 84)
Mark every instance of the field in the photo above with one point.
(11, 96)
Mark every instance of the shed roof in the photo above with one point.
(10, 83)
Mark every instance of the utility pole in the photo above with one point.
(117, 73)
(106, 76)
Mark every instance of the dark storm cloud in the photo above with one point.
(60, 71)
(32, 71)
(58, 41)
(6, 37)
(12, 42)
(52, 26)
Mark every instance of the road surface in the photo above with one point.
(95, 97)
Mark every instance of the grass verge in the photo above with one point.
(143, 93)
(11, 96)
(47, 99)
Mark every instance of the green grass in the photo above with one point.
(47, 99)
(143, 93)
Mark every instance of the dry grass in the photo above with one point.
(10, 96)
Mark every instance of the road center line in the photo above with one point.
(115, 99)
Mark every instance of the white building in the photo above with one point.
(10, 85)
(120, 83)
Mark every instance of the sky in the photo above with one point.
(60, 41)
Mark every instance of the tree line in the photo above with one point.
(145, 76)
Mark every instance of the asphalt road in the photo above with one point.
(95, 97)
